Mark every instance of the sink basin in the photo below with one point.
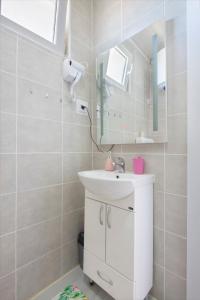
(112, 185)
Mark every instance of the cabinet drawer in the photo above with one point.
(111, 281)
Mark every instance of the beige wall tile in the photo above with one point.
(37, 240)
(158, 283)
(72, 225)
(7, 287)
(7, 133)
(73, 163)
(7, 173)
(70, 256)
(38, 205)
(175, 287)
(39, 101)
(8, 46)
(73, 197)
(38, 135)
(177, 94)
(38, 64)
(176, 54)
(38, 170)
(7, 92)
(37, 275)
(176, 214)
(7, 254)
(177, 140)
(176, 174)
(158, 209)
(76, 138)
(158, 247)
(7, 213)
(175, 254)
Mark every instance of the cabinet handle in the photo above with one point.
(101, 215)
(108, 216)
(109, 281)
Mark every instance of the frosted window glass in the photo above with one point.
(38, 16)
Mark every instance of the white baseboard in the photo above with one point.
(58, 286)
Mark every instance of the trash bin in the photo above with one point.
(80, 248)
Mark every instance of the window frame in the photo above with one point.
(60, 22)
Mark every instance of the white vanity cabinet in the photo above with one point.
(118, 247)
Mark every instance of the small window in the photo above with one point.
(41, 18)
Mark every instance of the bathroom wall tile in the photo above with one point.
(177, 94)
(175, 287)
(175, 254)
(177, 24)
(158, 247)
(7, 173)
(7, 213)
(133, 10)
(80, 26)
(8, 46)
(7, 254)
(158, 283)
(38, 64)
(72, 225)
(154, 164)
(73, 196)
(37, 240)
(99, 160)
(70, 115)
(38, 135)
(76, 138)
(158, 209)
(36, 100)
(74, 163)
(84, 7)
(107, 18)
(70, 256)
(7, 92)
(83, 56)
(176, 54)
(176, 214)
(176, 174)
(177, 140)
(7, 133)
(37, 275)
(7, 287)
(38, 205)
(139, 148)
(38, 170)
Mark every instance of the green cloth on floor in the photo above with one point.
(72, 292)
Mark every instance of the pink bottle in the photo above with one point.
(138, 165)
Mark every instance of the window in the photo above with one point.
(40, 18)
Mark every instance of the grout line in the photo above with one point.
(16, 165)
(62, 178)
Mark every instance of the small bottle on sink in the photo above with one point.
(109, 163)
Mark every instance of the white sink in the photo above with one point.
(112, 185)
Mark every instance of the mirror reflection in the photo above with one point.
(131, 89)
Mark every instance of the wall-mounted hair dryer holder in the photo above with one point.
(72, 73)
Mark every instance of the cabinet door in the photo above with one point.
(95, 228)
(119, 240)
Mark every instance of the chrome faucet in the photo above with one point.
(119, 164)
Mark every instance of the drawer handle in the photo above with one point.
(109, 281)
(108, 216)
(101, 215)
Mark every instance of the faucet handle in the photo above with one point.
(119, 162)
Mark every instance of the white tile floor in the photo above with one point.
(92, 292)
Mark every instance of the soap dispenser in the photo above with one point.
(109, 163)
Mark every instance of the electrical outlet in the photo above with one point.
(79, 109)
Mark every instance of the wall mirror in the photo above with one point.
(131, 93)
